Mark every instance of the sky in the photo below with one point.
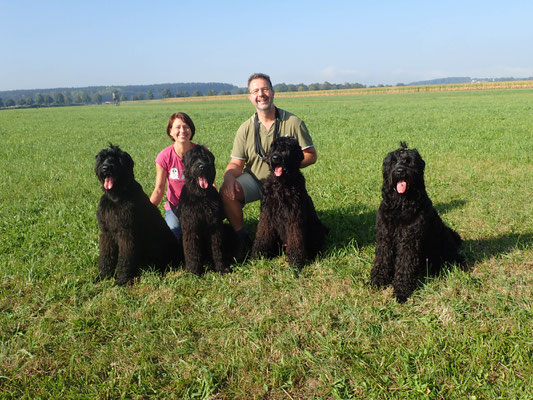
(52, 43)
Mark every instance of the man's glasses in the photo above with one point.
(256, 91)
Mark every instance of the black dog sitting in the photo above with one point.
(409, 230)
(133, 234)
(288, 216)
(205, 238)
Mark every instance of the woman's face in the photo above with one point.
(180, 131)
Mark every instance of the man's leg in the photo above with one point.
(233, 209)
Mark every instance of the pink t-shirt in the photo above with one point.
(173, 164)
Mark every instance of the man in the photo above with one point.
(247, 169)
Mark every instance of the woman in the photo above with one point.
(169, 167)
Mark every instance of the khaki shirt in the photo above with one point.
(244, 145)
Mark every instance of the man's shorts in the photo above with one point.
(252, 189)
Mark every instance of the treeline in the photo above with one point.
(282, 87)
(101, 94)
(104, 94)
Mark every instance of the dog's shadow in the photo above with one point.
(348, 225)
(479, 250)
(358, 223)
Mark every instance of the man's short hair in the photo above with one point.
(259, 75)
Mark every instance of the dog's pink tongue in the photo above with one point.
(108, 183)
(202, 182)
(278, 171)
(401, 187)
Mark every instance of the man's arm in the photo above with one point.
(229, 188)
(310, 157)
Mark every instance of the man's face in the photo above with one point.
(261, 95)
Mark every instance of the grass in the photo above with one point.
(265, 331)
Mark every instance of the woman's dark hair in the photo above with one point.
(185, 118)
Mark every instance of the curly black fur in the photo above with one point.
(412, 240)
(133, 234)
(205, 238)
(288, 216)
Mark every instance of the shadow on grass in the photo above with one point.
(443, 208)
(479, 250)
(358, 223)
(348, 225)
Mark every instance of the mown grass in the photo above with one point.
(266, 331)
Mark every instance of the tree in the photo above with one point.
(140, 96)
(302, 87)
(280, 87)
(123, 97)
(39, 99)
(291, 88)
(225, 93)
(314, 86)
(1, 102)
(21, 102)
(212, 92)
(97, 98)
(85, 99)
(166, 93)
(29, 100)
(149, 95)
(197, 93)
(10, 103)
(59, 99)
(241, 91)
(48, 99)
(68, 100)
(325, 86)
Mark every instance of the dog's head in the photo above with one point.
(199, 167)
(285, 156)
(403, 172)
(114, 168)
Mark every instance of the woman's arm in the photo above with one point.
(160, 184)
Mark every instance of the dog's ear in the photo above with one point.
(128, 161)
(403, 144)
(387, 162)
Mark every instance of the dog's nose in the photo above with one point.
(276, 158)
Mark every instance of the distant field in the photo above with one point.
(265, 331)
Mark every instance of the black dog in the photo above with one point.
(409, 230)
(288, 216)
(205, 238)
(133, 234)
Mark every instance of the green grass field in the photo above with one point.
(265, 331)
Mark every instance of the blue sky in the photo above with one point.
(48, 44)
